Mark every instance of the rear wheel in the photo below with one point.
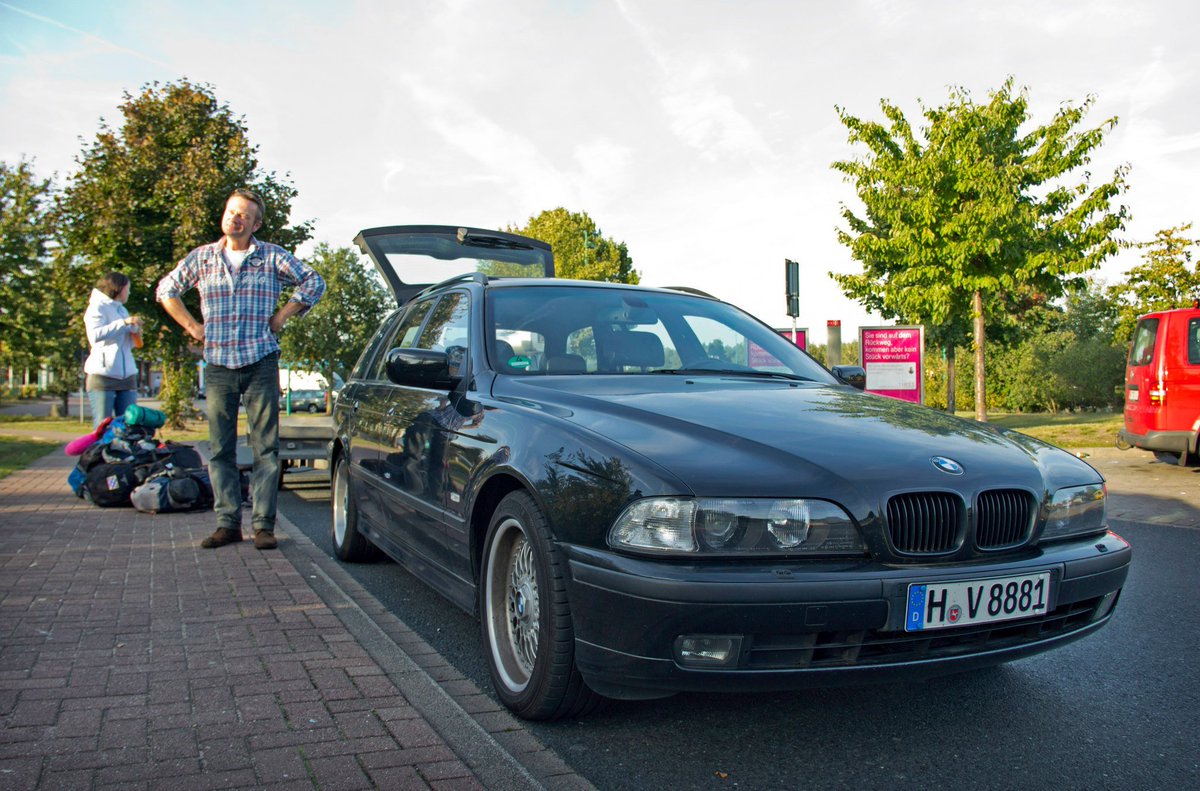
(348, 544)
(526, 619)
(1182, 459)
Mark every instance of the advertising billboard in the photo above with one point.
(798, 336)
(894, 359)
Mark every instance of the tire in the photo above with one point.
(1166, 457)
(526, 619)
(348, 544)
(312, 409)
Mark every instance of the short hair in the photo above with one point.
(111, 283)
(250, 195)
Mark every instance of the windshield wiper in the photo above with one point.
(731, 372)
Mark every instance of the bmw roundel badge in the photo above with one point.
(948, 466)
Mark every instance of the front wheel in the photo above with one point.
(526, 619)
(348, 544)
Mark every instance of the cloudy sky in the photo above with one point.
(699, 132)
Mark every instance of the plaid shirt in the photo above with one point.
(238, 303)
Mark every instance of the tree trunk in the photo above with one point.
(951, 379)
(980, 386)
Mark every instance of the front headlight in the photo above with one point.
(736, 527)
(1075, 511)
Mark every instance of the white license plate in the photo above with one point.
(1133, 395)
(943, 605)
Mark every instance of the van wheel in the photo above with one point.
(1179, 459)
(526, 619)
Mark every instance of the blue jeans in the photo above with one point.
(109, 402)
(256, 386)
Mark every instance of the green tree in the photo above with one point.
(1091, 311)
(1165, 279)
(26, 205)
(149, 192)
(331, 336)
(970, 209)
(581, 251)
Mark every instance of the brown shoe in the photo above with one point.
(223, 536)
(265, 539)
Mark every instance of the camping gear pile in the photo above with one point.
(121, 463)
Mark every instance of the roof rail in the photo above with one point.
(690, 290)
(471, 277)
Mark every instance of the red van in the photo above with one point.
(1162, 384)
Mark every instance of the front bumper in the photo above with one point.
(814, 623)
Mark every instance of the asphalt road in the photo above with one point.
(1117, 710)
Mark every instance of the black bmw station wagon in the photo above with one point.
(641, 491)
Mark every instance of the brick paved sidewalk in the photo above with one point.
(131, 658)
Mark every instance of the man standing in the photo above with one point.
(240, 280)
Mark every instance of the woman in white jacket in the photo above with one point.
(111, 372)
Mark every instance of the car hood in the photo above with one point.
(738, 436)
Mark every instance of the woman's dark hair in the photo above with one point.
(111, 284)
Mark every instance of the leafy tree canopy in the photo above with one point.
(332, 335)
(25, 231)
(972, 204)
(149, 192)
(581, 251)
(1167, 278)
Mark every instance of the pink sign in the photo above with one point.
(798, 336)
(894, 359)
(760, 357)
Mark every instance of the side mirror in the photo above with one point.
(422, 368)
(853, 375)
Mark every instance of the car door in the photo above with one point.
(413, 461)
(372, 430)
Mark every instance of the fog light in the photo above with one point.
(708, 650)
(1105, 606)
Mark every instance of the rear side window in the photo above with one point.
(1142, 351)
(1194, 342)
(405, 334)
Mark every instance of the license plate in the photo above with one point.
(944, 605)
(1133, 395)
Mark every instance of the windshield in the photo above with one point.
(587, 330)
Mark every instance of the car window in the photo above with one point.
(366, 360)
(519, 351)
(1193, 341)
(405, 334)
(725, 344)
(447, 325)
(590, 330)
(1142, 350)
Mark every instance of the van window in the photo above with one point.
(1144, 336)
(1194, 342)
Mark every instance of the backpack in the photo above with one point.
(109, 485)
(77, 478)
(174, 489)
(99, 452)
